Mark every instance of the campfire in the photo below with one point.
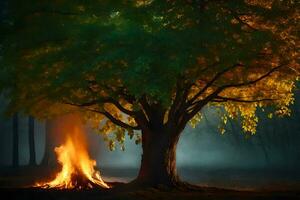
(78, 170)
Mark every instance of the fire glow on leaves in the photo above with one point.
(111, 58)
(78, 170)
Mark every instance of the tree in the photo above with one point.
(151, 66)
(32, 154)
(49, 155)
(15, 123)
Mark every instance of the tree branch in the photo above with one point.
(116, 121)
(108, 115)
(105, 100)
(146, 107)
(121, 108)
(254, 81)
(211, 82)
(178, 108)
(139, 115)
(180, 98)
(225, 99)
(213, 95)
(237, 17)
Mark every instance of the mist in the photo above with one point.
(203, 154)
(202, 146)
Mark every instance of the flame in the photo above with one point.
(78, 170)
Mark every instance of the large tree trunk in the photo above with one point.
(32, 155)
(158, 164)
(15, 140)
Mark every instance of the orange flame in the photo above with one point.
(78, 170)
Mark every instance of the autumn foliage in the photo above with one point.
(151, 65)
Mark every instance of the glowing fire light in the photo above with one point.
(77, 168)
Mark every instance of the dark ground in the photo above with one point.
(239, 184)
(148, 194)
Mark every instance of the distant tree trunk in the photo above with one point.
(263, 148)
(158, 164)
(15, 140)
(32, 153)
(49, 151)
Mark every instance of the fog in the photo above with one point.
(276, 143)
(202, 146)
(204, 156)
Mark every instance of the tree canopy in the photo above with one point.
(127, 62)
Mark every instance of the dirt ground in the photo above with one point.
(146, 194)
(17, 185)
